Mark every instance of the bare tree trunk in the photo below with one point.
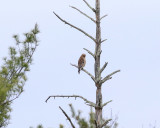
(98, 108)
(97, 79)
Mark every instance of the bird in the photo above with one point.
(81, 62)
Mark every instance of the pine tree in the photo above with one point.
(13, 72)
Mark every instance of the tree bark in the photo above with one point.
(98, 108)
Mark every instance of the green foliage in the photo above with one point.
(40, 126)
(61, 126)
(83, 123)
(13, 72)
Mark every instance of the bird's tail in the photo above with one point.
(79, 70)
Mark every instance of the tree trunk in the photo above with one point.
(98, 108)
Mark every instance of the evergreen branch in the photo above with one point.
(103, 16)
(67, 117)
(75, 27)
(109, 76)
(72, 111)
(87, 102)
(106, 103)
(20, 69)
(83, 13)
(103, 40)
(35, 31)
(104, 66)
(12, 99)
(85, 72)
(105, 123)
(114, 123)
(3, 123)
(89, 52)
(89, 6)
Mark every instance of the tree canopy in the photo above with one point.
(13, 72)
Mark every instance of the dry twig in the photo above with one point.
(89, 6)
(106, 103)
(85, 72)
(109, 76)
(75, 27)
(103, 40)
(89, 52)
(104, 66)
(87, 102)
(103, 16)
(67, 117)
(83, 13)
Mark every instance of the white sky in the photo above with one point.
(133, 32)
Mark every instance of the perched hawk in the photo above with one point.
(81, 62)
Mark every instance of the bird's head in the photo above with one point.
(84, 55)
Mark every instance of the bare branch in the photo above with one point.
(89, 52)
(89, 6)
(83, 13)
(104, 66)
(103, 40)
(103, 16)
(106, 122)
(67, 117)
(75, 27)
(85, 72)
(109, 76)
(87, 102)
(106, 103)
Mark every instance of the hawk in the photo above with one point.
(81, 62)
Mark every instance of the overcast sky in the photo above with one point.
(133, 46)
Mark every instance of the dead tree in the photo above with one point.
(98, 80)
